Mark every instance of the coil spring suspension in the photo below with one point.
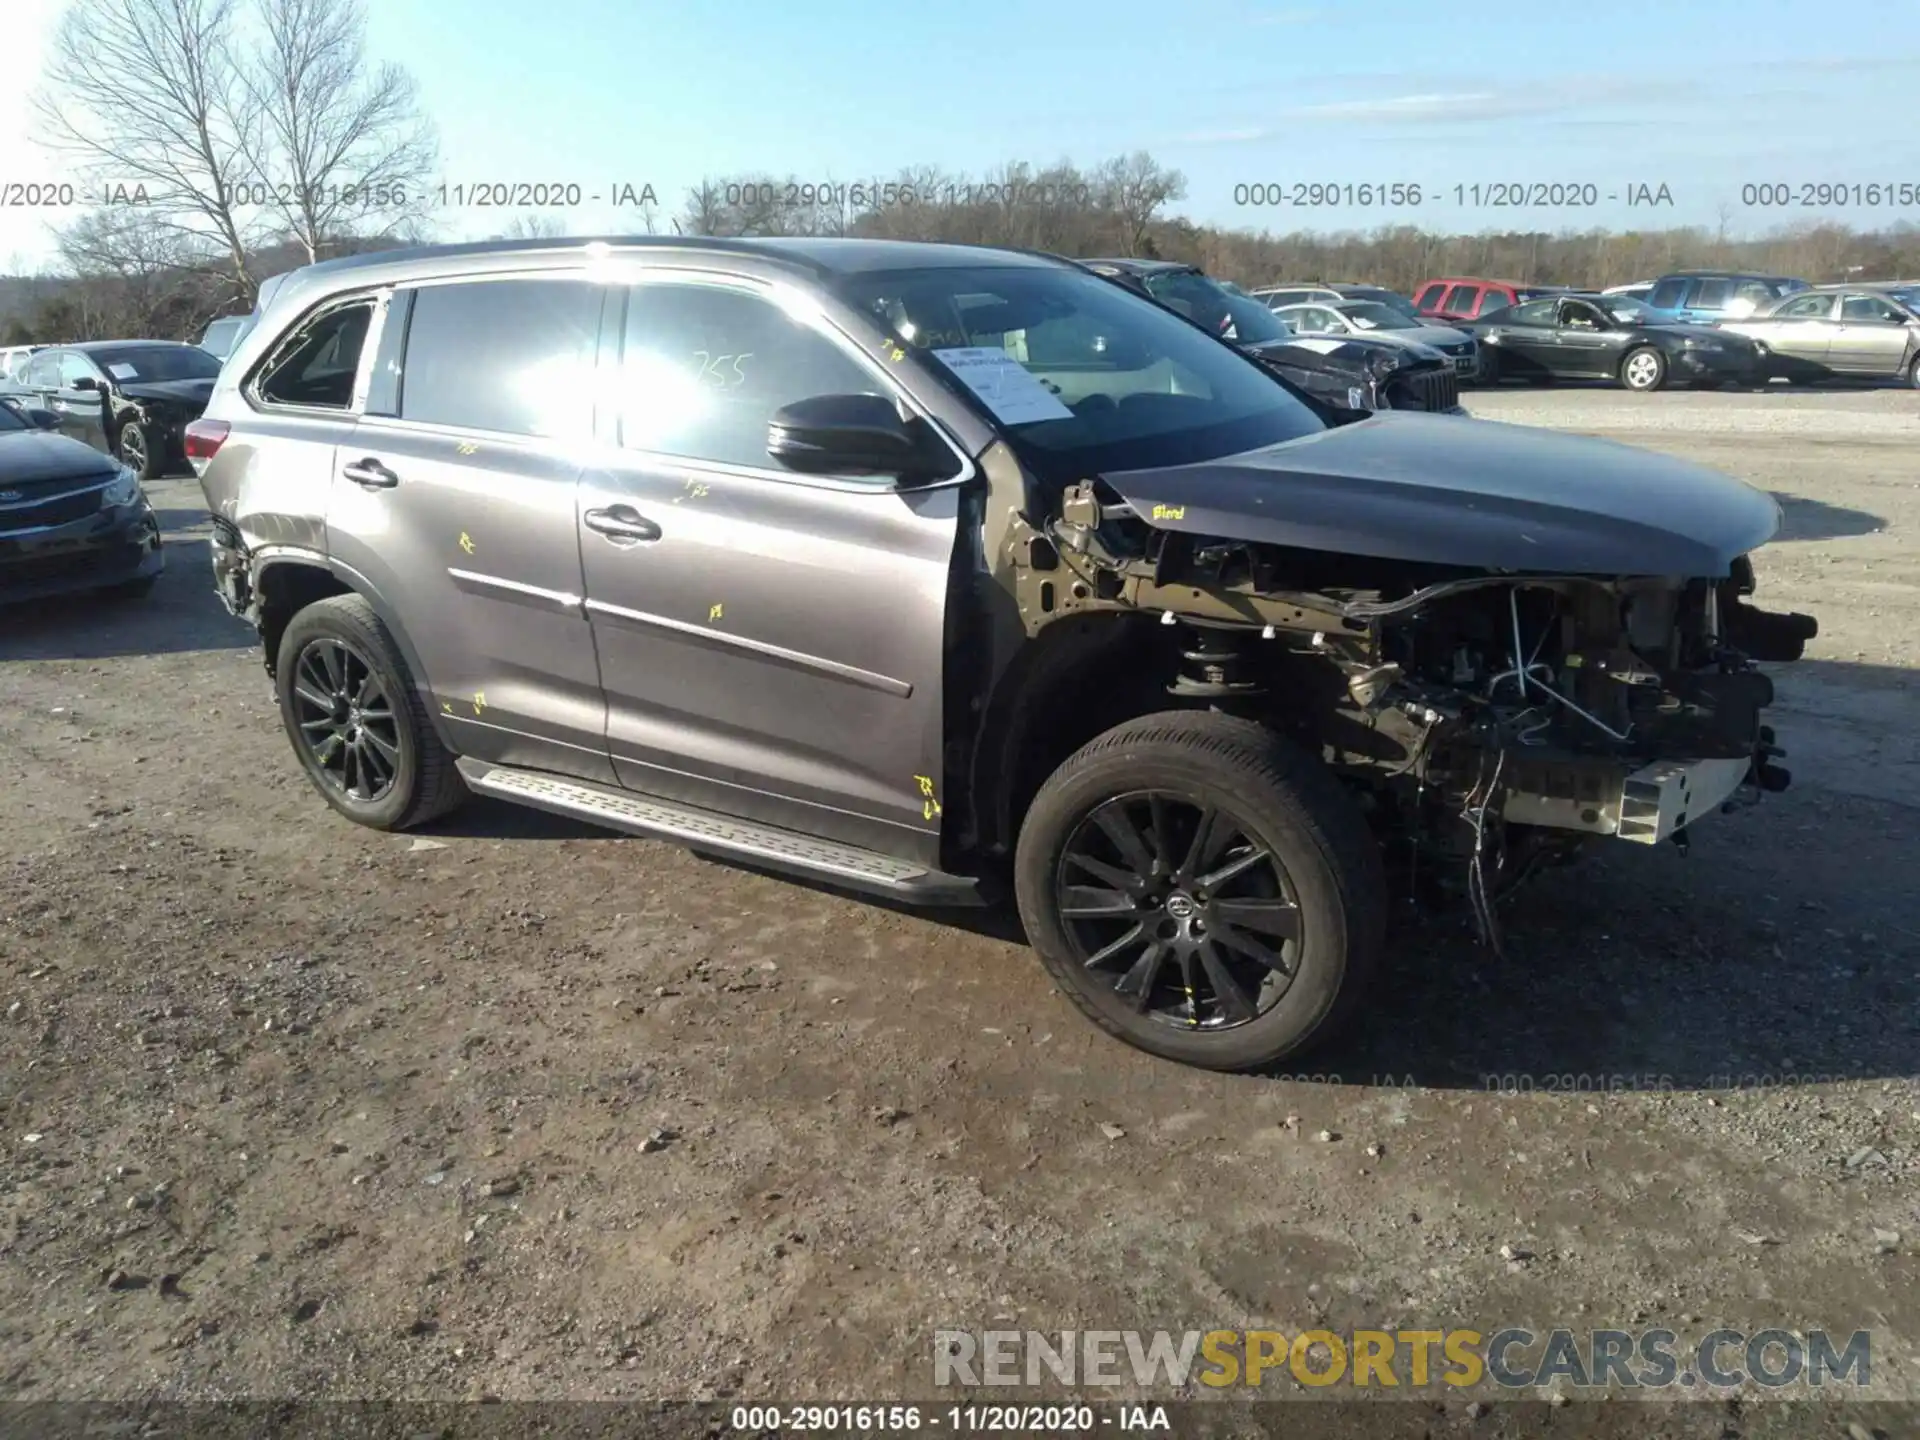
(1214, 665)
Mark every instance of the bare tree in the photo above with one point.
(339, 136)
(139, 276)
(532, 225)
(1136, 188)
(144, 96)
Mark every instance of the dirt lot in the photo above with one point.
(343, 1117)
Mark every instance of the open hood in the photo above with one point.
(1446, 490)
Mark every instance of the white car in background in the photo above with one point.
(1377, 321)
(1275, 297)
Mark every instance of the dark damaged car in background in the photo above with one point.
(132, 399)
(1352, 373)
(855, 559)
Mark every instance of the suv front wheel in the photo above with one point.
(359, 728)
(1202, 889)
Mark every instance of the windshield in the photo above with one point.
(1628, 311)
(1393, 300)
(1211, 305)
(1372, 315)
(1082, 375)
(142, 364)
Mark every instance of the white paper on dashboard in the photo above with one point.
(1004, 385)
(123, 372)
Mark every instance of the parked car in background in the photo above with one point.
(1451, 300)
(1380, 295)
(71, 519)
(876, 578)
(1703, 297)
(1610, 337)
(1274, 296)
(1347, 373)
(1376, 321)
(1842, 330)
(1633, 290)
(13, 364)
(219, 338)
(129, 398)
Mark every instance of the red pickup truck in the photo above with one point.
(1465, 298)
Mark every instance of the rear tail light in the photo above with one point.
(203, 439)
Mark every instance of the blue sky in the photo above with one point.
(1701, 96)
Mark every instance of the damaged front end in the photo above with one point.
(1490, 722)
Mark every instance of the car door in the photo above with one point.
(1523, 337)
(82, 409)
(1586, 343)
(454, 495)
(1869, 337)
(771, 644)
(1801, 329)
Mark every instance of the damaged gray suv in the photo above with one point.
(945, 573)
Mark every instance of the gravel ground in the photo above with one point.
(293, 1109)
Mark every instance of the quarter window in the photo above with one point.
(1534, 312)
(704, 368)
(513, 357)
(317, 364)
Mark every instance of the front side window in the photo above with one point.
(316, 366)
(1162, 393)
(74, 367)
(705, 367)
(1869, 309)
(512, 357)
(1806, 307)
(1375, 315)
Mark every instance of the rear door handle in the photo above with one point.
(621, 522)
(371, 475)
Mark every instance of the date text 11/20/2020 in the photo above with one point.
(1481, 195)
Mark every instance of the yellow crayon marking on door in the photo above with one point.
(931, 807)
(714, 613)
(479, 701)
(466, 542)
(467, 447)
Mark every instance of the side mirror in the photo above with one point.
(45, 419)
(85, 382)
(846, 435)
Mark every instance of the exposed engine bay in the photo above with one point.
(1491, 723)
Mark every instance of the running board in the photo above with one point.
(748, 841)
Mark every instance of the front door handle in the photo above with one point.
(621, 522)
(371, 475)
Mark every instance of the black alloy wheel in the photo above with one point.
(1180, 908)
(346, 721)
(137, 450)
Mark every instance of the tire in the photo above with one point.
(1913, 373)
(422, 783)
(1644, 369)
(139, 449)
(1286, 808)
(1489, 373)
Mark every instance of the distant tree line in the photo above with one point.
(242, 138)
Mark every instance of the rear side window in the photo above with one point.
(1867, 308)
(317, 364)
(1461, 299)
(1668, 294)
(1807, 307)
(1713, 295)
(514, 357)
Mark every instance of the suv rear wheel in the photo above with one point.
(1202, 889)
(359, 728)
